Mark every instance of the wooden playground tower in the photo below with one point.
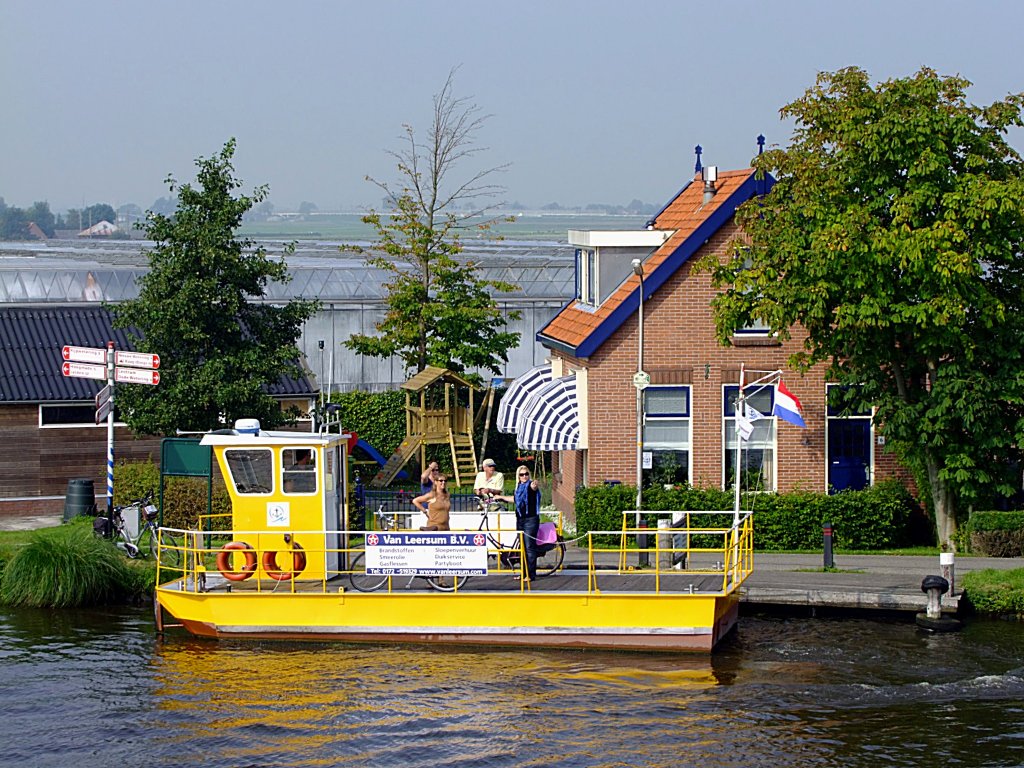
(428, 423)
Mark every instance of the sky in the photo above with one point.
(592, 101)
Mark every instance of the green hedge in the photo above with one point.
(184, 497)
(875, 518)
(997, 534)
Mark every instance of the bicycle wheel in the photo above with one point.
(363, 581)
(551, 560)
(170, 550)
(442, 584)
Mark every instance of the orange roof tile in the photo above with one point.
(685, 214)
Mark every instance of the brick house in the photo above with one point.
(688, 424)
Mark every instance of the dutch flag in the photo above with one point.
(787, 406)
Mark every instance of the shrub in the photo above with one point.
(995, 592)
(997, 534)
(184, 497)
(69, 567)
(874, 518)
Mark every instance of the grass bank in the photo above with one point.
(993, 592)
(68, 566)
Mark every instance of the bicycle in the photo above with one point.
(148, 537)
(549, 555)
(371, 582)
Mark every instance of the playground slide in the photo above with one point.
(374, 454)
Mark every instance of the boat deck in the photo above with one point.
(573, 578)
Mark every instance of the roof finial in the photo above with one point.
(760, 143)
(698, 149)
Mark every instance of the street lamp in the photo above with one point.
(640, 381)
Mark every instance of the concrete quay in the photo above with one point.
(868, 582)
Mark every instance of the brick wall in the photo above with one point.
(680, 347)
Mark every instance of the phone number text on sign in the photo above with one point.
(426, 554)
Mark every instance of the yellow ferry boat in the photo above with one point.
(290, 567)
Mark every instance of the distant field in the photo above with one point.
(348, 227)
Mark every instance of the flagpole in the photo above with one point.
(740, 402)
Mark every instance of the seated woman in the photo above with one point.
(438, 504)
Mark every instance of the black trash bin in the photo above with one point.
(80, 499)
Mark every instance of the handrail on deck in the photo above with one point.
(724, 552)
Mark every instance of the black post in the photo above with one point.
(641, 543)
(827, 541)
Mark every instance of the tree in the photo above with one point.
(202, 308)
(893, 238)
(439, 310)
(42, 216)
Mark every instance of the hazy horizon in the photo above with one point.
(589, 102)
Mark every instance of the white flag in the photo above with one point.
(744, 427)
(752, 413)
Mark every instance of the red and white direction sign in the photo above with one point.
(84, 371)
(135, 376)
(104, 410)
(85, 355)
(137, 359)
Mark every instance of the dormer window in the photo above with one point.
(604, 259)
(586, 276)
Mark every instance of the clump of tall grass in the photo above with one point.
(68, 567)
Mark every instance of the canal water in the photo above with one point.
(97, 688)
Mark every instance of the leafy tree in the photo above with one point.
(439, 310)
(13, 223)
(43, 217)
(201, 308)
(306, 207)
(893, 239)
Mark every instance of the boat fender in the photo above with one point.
(273, 570)
(224, 561)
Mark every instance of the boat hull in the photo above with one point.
(618, 621)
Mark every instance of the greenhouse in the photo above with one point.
(64, 272)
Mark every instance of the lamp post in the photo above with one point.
(640, 381)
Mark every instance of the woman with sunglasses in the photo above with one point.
(437, 503)
(527, 504)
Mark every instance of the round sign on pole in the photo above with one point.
(641, 380)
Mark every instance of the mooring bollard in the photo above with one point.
(826, 536)
(641, 543)
(664, 545)
(935, 587)
(948, 570)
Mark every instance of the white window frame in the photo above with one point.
(767, 427)
(671, 417)
(587, 276)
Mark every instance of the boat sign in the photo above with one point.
(84, 370)
(136, 376)
(426, 554)
(85, 355)
(137, 359)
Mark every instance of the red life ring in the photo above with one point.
(271, 568)
(225, 561)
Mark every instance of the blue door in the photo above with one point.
(849, 454)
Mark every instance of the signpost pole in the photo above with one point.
(110, 439)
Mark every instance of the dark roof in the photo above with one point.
(31, 342)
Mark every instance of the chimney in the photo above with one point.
(710, 176)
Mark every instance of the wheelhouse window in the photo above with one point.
(298, 470)
(666, 434)
(757, 455)
(251, 470)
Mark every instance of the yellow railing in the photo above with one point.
(704, 558)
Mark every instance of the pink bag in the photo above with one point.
(547, 537)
